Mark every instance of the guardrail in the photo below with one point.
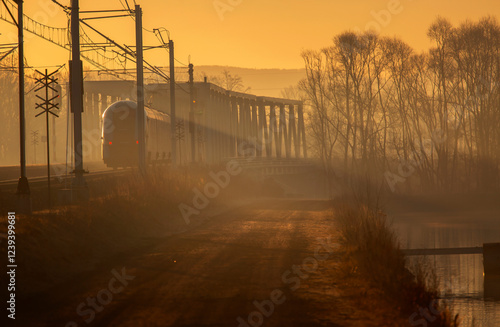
(490, 252)
(272, 166)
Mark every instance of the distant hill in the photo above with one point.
(262, 82)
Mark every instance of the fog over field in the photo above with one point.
(250, 163)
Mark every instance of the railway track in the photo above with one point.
(96, 180)
(61, 179)
(60, 174)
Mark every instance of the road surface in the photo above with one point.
(265, 264)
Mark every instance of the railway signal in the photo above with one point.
(34, 141)
(48, 104)
(179, 134)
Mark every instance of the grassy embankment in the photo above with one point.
(56, 245)
(376, 272)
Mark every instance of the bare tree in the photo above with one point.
(229, 82)
(433, 117)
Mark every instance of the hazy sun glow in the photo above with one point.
(257, 33)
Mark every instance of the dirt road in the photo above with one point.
(266, 264)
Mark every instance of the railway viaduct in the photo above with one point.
(225, 124)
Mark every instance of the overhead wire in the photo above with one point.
(64, 42)
(180, 62)
(127, 53)
(152, 67)
(106, 59)
(126, 6)
(65, 8)
(8, 53)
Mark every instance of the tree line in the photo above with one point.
(417, 121)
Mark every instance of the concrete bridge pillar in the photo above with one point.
(247, 121)
(273, 130)
(287, 132)
(254, 121)
(262, 125)
(215, 126)
(235, 133)
(210, 133)
(228, 126)
(224, 114)
(292, 132)
(302, 130)
(282, 135)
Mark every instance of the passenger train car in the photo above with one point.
(119, 135)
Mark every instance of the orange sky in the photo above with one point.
(254, 33)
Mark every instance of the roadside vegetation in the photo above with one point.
(425, 121)
(124, 214)
(372, 254)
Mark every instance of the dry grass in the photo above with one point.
(123, 214)
(372, 252)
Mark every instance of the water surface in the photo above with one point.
(462, 283)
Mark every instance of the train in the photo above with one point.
(120, 140)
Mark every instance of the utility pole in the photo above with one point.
(79, 183)
(23, 188)
(192, 126)
(140, 91)
(172, 101)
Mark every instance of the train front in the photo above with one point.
(119, 135)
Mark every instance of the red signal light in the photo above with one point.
(137, 142)
(110, 142)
